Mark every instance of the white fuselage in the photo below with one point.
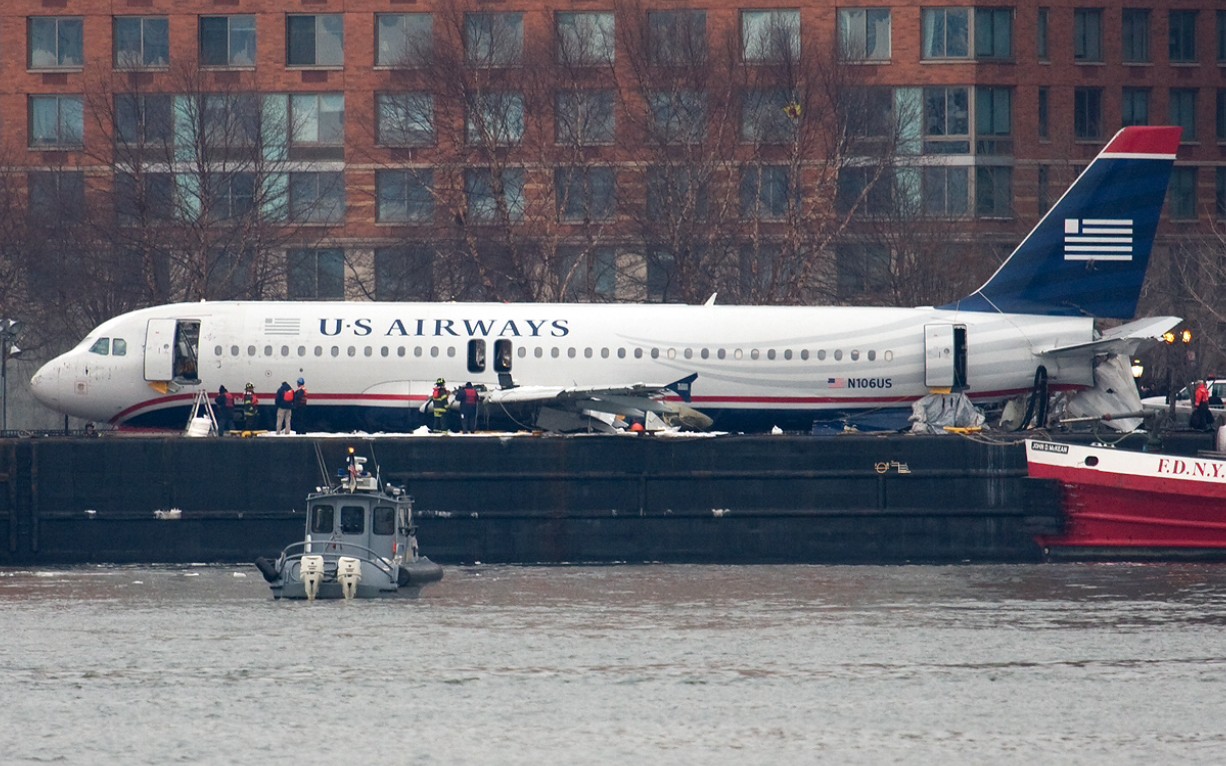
(780, 360)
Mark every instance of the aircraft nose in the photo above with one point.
(46, 385)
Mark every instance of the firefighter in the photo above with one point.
(439, 399)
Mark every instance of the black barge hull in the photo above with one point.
(525, 499)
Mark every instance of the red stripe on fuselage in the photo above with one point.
(698, 402)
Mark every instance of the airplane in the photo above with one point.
(372, 365)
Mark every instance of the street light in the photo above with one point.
(9, 328)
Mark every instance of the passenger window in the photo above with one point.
(352, 519)
(233, 350)
(502, 355)
(322, 519)
(119, 347)
(476, 355)
(336, 351)
(384, 521)
(285, 351)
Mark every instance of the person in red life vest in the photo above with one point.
(1202, 418)
(223, 404)
(285, 405)
(469, 398)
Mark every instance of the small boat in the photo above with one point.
(1121, 504)
(360, 543)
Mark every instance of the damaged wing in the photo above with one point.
(1125, 339)
(630, 400)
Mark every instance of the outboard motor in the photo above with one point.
(312, 573)
(348, 574)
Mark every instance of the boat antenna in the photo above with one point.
(375, 460)
(323, 467)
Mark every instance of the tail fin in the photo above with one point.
(1088, 255)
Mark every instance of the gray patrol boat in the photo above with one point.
(360, 543)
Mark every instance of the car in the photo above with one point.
(1183, 401)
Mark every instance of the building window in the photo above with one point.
(677, 37)
(945, 191)
(141, 42)
(946, 33)
(1135, 40)
(1134, 109)
(1044, 107)
(494, 39)
(1087, 34)
(1044, 53)
(585, 39)
(312, 40)
(993, 191)
(404, 40)
(143, 119)
(946, 121)
(1088, 114)
(56, 42)
(1183, 194)
(317, 119)
(770, 36)
(585, 117)
(145, 198)
(228, 120)
(674, 195)
(1220, 193)
(316, 274)
(588, 272)
(1221, 37)
(227, 41)
(404, 273)
(1183, 112)
(1220, 113)
(317, 197)
(586, 194)
(1183, 37)
(56, 196)
(404, 196)
(993, 33)
(765, 192)
(993, 120)
(57, 122)
(864, 34)
(678, 117)
(405, 119)
(495, 119)
(769, 115)
(860, 269)
(493, 195)
(233, 195)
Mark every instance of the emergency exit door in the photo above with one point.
(945, 356)
(159, 349)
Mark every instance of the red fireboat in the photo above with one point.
(1124, 505)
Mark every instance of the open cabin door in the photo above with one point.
(945, 356)
(172, 348)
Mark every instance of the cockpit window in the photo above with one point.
(119, 347)
(101, 346)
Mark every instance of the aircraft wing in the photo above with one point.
(617, 399)
(1124, 339)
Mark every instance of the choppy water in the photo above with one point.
(610, 665)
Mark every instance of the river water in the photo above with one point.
(1114, 664)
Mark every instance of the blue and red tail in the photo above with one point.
(1088, 255)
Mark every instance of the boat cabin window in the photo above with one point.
(384, 520)
(476, 355)
(353, 519)
(101, 346)
(322, 519)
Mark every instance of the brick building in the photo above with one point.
(592, 150)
